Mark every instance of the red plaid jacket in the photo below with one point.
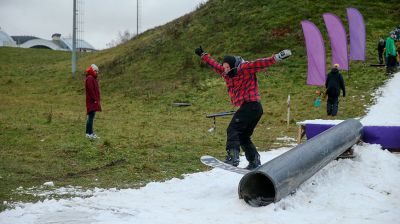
(243, 87)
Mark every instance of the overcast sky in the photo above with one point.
(103, 19)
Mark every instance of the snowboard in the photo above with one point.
(216, 163)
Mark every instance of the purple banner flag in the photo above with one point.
(357, 34)
(337, 35)
(315, 54)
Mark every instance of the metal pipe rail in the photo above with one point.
(282, 175)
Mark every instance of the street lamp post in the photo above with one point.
(74, 40)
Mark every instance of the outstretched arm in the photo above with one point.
(257, 65)
(218, 68)
(260, 64)
(210, 61)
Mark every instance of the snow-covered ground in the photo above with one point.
(364, 190)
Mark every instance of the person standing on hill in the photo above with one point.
(381, 48)
(241, 80)
(391, 54)
(334, 83)
(92, 99)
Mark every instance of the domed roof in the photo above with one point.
(40, 43)
(57, 42)
(80, 44)
(5, 39)
(22, 39)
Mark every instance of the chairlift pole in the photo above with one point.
(74, 39)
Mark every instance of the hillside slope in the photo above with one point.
(251, 29)
(144, 138)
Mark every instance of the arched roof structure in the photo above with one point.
(41, 43)
(81, 44)
(6, 40)
(57, 43)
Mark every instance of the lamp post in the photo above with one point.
(74, 39)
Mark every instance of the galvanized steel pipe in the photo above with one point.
(282, 175)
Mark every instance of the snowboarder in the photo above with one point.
(92, 99)
(241, 81)
(334, 83)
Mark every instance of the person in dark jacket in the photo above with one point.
(92, 99)
(334, 83)
(381, 49)
(241, 81)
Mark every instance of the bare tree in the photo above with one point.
(123, 37)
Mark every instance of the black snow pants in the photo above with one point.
(332, 105)
(241, 128)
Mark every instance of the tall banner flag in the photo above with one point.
(315, 54)
(337, 35)
(357, 34)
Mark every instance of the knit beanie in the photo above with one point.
(95, 68)
(231, 60)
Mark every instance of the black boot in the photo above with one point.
(251, 155)
(232, 157)
(253, 164)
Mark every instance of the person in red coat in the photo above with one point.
(241, 80)
(92, 99)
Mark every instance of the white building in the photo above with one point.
(6, 40)
(56, 43)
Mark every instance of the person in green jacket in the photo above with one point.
(390, 54)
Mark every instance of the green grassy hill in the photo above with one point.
(143, 137)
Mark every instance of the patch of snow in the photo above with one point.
(49, 184)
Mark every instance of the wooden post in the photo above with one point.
(301, 132)
(288, 111)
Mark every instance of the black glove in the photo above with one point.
(199, 51)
